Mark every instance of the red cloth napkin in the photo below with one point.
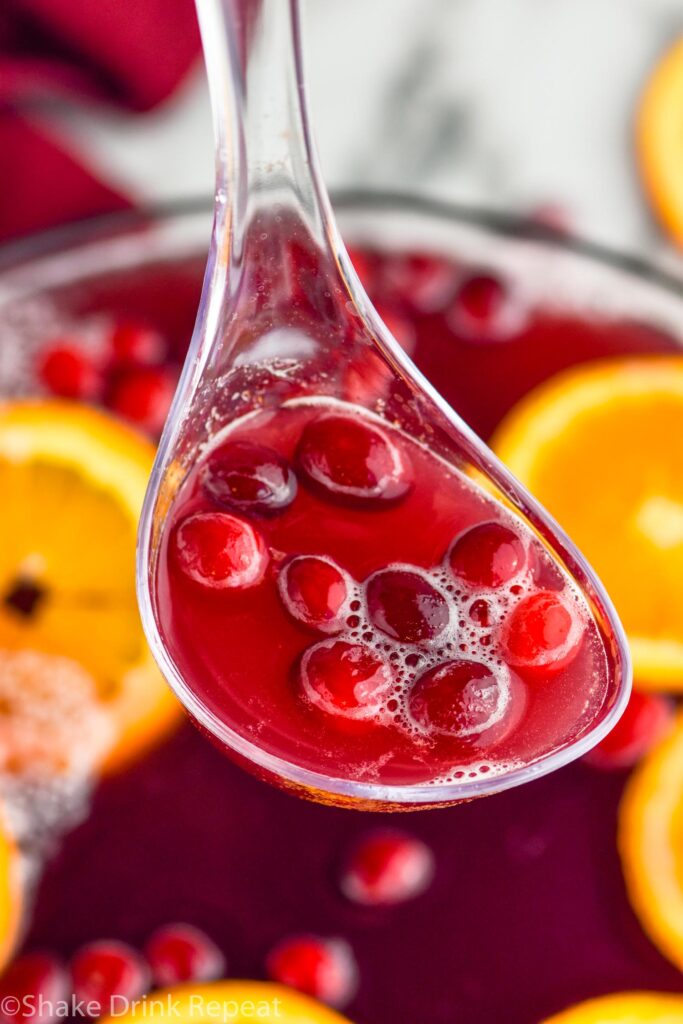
(129, 52)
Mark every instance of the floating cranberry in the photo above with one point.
(133, 343)
(70, 372)
(248, 477)
(647, 718)
(543, 631)
(107, 974)
(143, 396)
(387, 866)
(322, 968)
(352, 459)
(220, 551)
(181, 952)
(406, 606)
(315, 591)
(487, 555)
(424, 282)
(344, 678)
(31, 989)
(459, 698)
(480, 307)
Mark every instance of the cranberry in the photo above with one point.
(136, 344)
(399, 326)
(221, 551)
(248, 477)
(487, 555)
(70, 372)
(344, 678)
(387, 866)
(480, 307)
(405, 606)
(106, 974)
(424, 282)
(543, 631)
(647, 718)
(31, 987)
(180, 952)
(459, 698)
(314, 591)
(351, 459)
(143, 396)
(322, 968)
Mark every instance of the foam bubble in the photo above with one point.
(476, 770)
(468, 636)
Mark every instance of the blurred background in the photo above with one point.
(518, 104)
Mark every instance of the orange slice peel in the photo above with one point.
(624, 1008)
(235, 1001)
(11, 891)
(649, 830)
(73, 480)
(659, 140)
(599, 446)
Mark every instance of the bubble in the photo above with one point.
(481, 769)
(474, 626)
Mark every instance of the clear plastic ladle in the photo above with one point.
(283, 315)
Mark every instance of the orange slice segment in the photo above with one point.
(659, 140)
(624, 1008)
(236, 1001)
(649, 839)
(11, 892)
(600, 447)
(72, 481)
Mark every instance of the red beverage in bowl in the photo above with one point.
(535, 847)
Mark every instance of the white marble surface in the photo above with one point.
(505, 103)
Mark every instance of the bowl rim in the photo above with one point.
(22, 254)
(520, 226)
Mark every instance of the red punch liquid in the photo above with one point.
(338, 594)
(526, 912)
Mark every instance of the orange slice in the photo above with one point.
(72, 481)
(600, 447)
(234, 1001)
(11, 890)
(659, 140)
(624, 1008)
(649, 839)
